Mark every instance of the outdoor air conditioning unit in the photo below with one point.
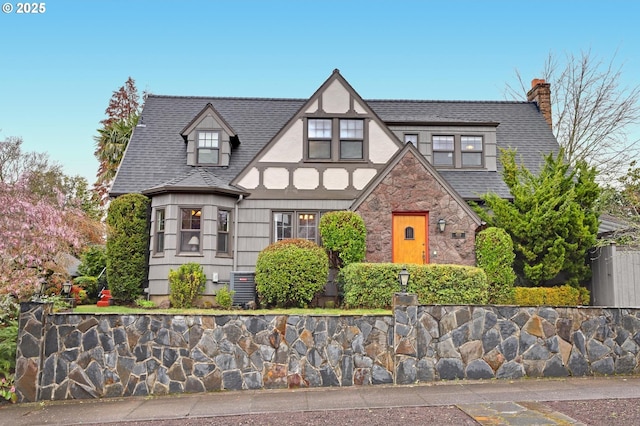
(244, 285)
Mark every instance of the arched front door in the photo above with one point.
(410, 238)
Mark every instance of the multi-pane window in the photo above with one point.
(295, 225)
(283, 226)
(208, 147)
(351, 139)
(223, 232)
(411, 138)
(443, 149)
(307, 226)
(471, 147)
(319, 136)
(190, 230)
(160, 217)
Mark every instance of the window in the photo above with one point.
(319, 135)
(408, 233)
(471, 147)
(351, 139)
(331, 137)
(296, 225)
(208, 147)
(307, 226)
(223, 232)
(160, 215)
(443, 148)
(190, 231)
(411, 138)
(283, 228)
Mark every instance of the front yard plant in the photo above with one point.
(289, 273)
(494, 254)
(127, 246)
(371, 285)
(185, 284)
(224, 297)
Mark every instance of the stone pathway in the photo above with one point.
(516, 414)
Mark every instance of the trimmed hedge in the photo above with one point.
(344, 235)
(371, 285)
(551, 296)
(289, 273)
(495, 255)
(127, 246)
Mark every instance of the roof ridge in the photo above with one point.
(235, 98)
(448, 101)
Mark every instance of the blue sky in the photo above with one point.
(59, 68)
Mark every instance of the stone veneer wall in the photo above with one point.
(70, 356)
(409, 187)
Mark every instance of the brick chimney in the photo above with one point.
(540, 93)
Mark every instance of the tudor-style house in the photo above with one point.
(228, 176)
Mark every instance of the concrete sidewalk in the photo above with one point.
(478, 395)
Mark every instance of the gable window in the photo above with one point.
(471, 147)
(190, 230)
(160, 217)
(208, 147)
(351, 139)
(223, 246)
(319, 135)
(411, 138)
(443, 149)
(296, 224)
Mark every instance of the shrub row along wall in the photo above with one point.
(64, 356)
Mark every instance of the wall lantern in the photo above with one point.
(403, 277)
(441, 225)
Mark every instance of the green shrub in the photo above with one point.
(185, 284)
(93, 261)
(146, 304)
(344, 235)
(127, 246)
(371, 285)
(289, 273)
(495, 255)
(9, 312)
(565, 295)
(90, 285)
(224, 297)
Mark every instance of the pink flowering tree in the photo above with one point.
(34, 231)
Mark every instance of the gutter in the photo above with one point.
(235, 233)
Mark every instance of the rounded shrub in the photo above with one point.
(345, 236)
(127, 246)
(495, 255)
(224, 297)
(185, 284)
(289, 273)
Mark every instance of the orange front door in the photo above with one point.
(410, 243)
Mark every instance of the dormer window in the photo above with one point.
(471, 147)
(333, 138)
(208, 147)
(443, 149)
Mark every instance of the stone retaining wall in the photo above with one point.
(71, 356)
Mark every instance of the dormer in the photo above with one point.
(209, 139)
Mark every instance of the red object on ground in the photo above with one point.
(105, 298)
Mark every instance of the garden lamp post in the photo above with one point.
(403, 277)
(66, 288)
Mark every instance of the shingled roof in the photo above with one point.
(156, 155)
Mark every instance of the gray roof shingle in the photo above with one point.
(156, 154)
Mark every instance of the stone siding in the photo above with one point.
(70, 356)
(409, 187)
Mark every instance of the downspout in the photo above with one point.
(235, 233)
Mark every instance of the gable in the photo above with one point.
(289, 161)
(209, 120)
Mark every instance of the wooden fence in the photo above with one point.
(616, 277)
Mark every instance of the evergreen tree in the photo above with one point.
(552, 219)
